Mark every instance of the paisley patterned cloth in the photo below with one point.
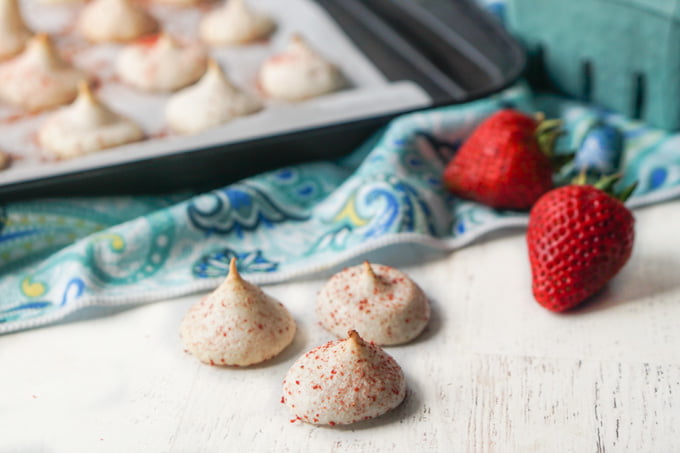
(57, 256)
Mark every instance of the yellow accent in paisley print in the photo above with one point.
(31, 288)
(349, 212)
(117, 242)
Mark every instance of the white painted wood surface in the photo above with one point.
(494, 372)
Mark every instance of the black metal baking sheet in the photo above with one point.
(450, 48)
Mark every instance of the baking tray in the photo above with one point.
(435, 52)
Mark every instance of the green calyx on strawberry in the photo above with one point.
(579, 238)
(507, 162)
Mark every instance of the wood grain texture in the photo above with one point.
(494, 372)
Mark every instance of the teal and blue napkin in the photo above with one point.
(58, 256)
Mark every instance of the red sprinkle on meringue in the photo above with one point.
(382, 303)
(342, 382)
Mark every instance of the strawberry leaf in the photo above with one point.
(606, 183)
(546, 134)
(627, 192)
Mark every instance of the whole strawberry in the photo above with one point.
(507, 161)
(579, 237)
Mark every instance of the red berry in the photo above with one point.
(502, 164)
(579, 237)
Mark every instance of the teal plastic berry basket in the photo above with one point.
(621, 54)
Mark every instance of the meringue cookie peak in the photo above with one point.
(299, 73)
(86, 126)
(371, 282)
(212, 101)
(235, 23)
(181, 3)
(41, 51)
(342, 382)
(383, 304)
(14, 34)
(89, 112)
(115, 21)
(161, 64)
(5, 160)
(61, 2)
(39, 78)
(237, 324)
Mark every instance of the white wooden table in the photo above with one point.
(493, 372)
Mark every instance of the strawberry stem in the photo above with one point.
(581, 179)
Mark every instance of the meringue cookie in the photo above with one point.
(181, 3)
(39, 78)
(234, 23)
(62, 2)
(208, 103)
(161, 64)
(5, 160)
(86, 126)
(14, 34)
(342, 382)
(115, 21)
(299, 73)
(383, 304)
(237, 324)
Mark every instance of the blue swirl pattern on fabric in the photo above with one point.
(238, 208)
(216, 264)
